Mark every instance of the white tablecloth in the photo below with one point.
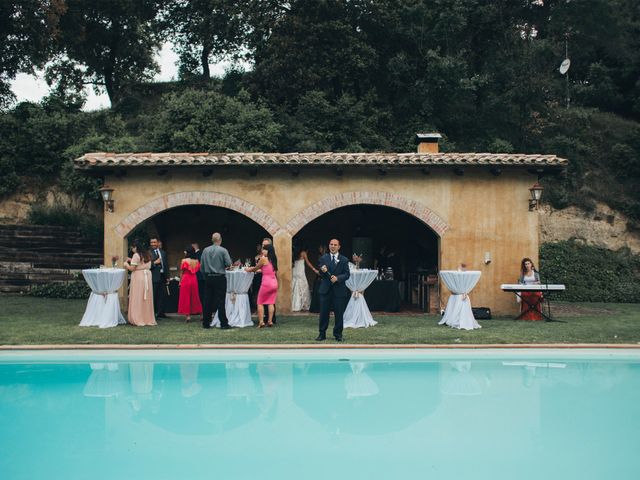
(357, 314)
(103, 307)
(236, 302)
(458, 313)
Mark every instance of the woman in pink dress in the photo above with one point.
(189, 300)
(140, 288)
(268, 265)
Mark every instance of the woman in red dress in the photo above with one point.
(529, 276)
(189, 300)
(268, 265)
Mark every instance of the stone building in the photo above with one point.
(433, 210)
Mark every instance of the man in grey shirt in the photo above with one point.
(214, 264)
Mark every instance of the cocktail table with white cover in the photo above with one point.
(236, 303)
(458, 313)
(103, 307)
(357, 314)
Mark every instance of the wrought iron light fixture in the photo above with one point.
(107, 193)
(536, 195)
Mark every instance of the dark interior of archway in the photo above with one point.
(180, 226)
(367, 229)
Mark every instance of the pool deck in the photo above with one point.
(331, 346)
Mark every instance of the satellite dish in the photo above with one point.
(564, 66)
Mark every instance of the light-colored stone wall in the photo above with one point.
(603, 227)
(15, 208)
(472, 214)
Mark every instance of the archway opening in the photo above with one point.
(385, 237)
(180, 226)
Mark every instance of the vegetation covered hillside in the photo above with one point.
(331, 75)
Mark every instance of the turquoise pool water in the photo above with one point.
(340, 414)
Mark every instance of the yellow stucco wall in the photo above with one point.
(473, 214)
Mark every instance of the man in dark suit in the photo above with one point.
(333, 291)
(159, 274)
(199, 275)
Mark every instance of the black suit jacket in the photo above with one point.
(199, 274)
(341, 270)
(156, 274)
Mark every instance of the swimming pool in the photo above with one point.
(343, 414)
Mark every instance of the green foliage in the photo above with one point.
(346, 125)
(201, 121)
(75, 289)
(64, 216)
(604, 153)
(333, 75)
(591, 274)
(109, 44)
(204, 31)
(27, 29)
(33, 139)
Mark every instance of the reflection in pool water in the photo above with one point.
(506, 418)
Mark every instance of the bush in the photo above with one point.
(75, 289)
(61, 215)
(591, 274)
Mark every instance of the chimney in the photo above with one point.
(428, 142)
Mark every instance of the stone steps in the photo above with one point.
(38, 254)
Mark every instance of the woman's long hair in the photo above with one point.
(271, 256)
(523, 269)
(297, 250)
(190, 252)
(145, 254)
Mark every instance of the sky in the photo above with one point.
(33, 87)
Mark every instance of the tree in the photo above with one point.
(107, 44)
(200, 121)
(204, 31)
(316, 45)
(27, 30)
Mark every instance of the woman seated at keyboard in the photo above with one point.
(531, 301)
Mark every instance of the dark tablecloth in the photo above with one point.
(381, 296)
(171, 300)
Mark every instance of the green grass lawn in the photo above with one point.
(28, 320)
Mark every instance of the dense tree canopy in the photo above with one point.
(340, 75)
(27, 31)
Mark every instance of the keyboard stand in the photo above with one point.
(531, 307)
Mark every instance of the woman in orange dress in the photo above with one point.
(529, 276)
(140, 288)
(189, 300)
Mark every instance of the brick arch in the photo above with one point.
(423, 213)
(214, 199)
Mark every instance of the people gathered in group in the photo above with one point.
(203, 284)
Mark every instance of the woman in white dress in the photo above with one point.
(300, 294)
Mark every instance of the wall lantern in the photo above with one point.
(536, 195)
(106, 192)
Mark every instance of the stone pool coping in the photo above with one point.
(311, 346)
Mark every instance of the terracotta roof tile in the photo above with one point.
(104, 159)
